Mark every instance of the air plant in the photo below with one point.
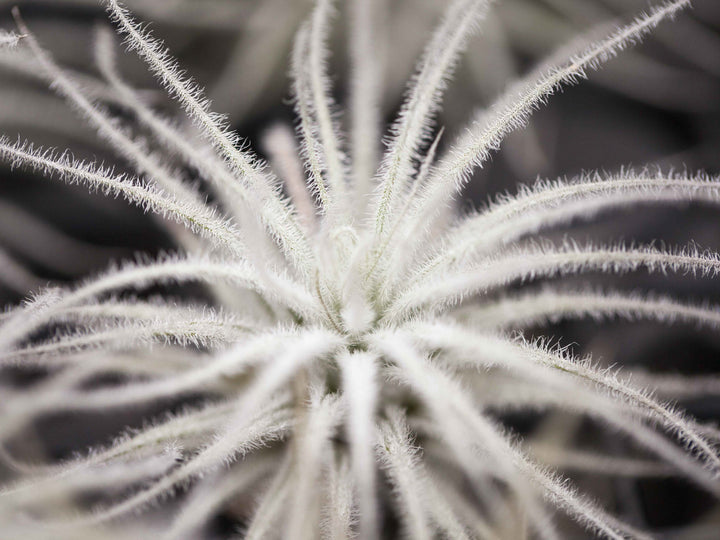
(344, 371)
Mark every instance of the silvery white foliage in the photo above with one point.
(357, 343)
(9, 39)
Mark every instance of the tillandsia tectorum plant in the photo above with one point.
(345, 373)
